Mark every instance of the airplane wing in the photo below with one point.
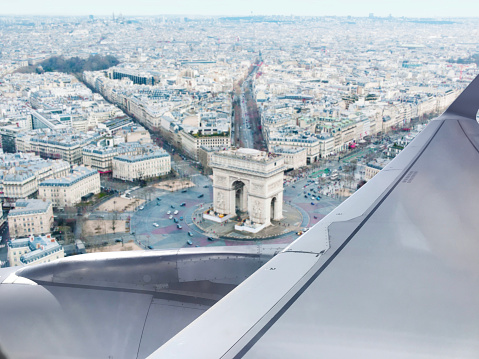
(393, 272)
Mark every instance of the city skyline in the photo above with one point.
(408, 8)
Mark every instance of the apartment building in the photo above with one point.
(191, 143)
(101, 157)
(294, 158)
(64, 144)
(147, 165)
(30, 217)
(21, 173)
(69, 190)
(34, 250)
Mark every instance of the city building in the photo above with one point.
(191, 143)
(68, 191)
(30, 217)
(20, 174)
(372, 168)
(9, 135)
(141, 166)
(204, 156)
(100, 157)
(64, 144)
(33, 250)
(294, 158)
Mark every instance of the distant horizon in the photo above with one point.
(117, 15)
(213, 8)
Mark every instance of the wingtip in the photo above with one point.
(467, 103)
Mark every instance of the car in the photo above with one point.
(318, 198)
(141, 208)
(190, 234)
(170, 217)
(158, 198)
(201, 195)
(169, 212)
(172, 206)
(299, 233)
(184, 191)
(118, 240)
(183, 204)
(175, 212)
(156, 224)
(206, 186)
(150, 247)
(178, 226)
(157, 203)
(305, 196)
(189, 242)
(312, 203)
(181, 218)
(210, 239)
(294, 186)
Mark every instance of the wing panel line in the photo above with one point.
(143, 329)
(465, 134)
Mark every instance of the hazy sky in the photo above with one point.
(412, 8)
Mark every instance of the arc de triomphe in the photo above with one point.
(248, 180)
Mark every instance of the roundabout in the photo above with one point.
(293, 221)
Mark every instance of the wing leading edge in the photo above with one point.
(392, 272)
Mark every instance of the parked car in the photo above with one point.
(176, 220)
(210, 239)
(156, 224)
(175, 212)
(170, 217)
(181, 218)
(141, 208)
(172, 206)
(178, 226)
(201, 195)
(190, 234)
(169, 212)
(189, 242)
(183, 204)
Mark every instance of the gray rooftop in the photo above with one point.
(30, 206)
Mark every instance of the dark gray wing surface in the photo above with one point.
(115, 305)
(393, 272)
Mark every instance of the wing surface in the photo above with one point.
(393, 272)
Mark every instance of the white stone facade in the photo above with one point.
(132, 168)
(30, 217)
(294, 158)
(68, 191)
(191, 144)
(249, 181)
